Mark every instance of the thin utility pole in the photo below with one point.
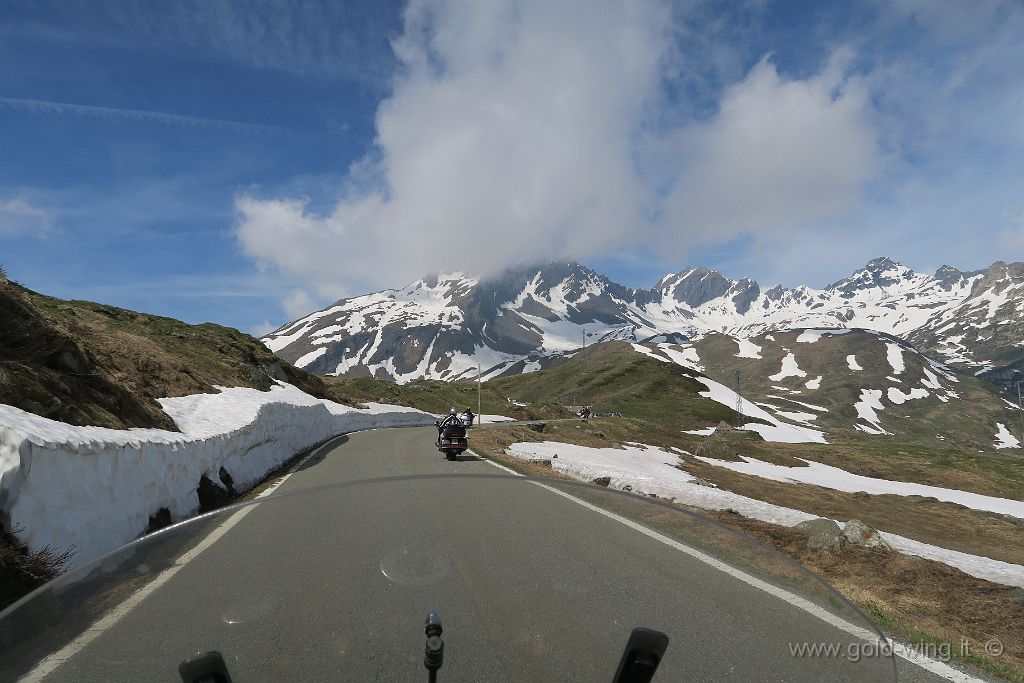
(1021, 411)
(583, 355)
(479, 394)
(739, 399)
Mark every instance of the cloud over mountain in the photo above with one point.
(524, 131)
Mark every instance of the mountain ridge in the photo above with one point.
(444, 326)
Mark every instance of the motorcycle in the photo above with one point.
(451, 437)
(638, 664)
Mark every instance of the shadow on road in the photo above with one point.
(321, 452)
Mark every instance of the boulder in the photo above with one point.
(859, 533)
(602, 481)
(824, 533)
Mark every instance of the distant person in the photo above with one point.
(469, 417)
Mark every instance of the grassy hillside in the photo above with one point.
(958, 411)
(613, 378)
(438, 397)
(90, 364)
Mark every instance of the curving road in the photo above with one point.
(531, 585)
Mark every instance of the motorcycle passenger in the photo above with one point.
(445, 426)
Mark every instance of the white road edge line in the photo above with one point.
(50, 664)
(899, 649)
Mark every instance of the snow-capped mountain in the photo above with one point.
(444, 327)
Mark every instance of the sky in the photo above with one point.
(246, 163)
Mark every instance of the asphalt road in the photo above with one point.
(530, 585)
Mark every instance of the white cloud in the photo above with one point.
(522, 132)
(262, 329)
(297, 303)
(508, 136)
(779, 154)
(19, 217)
(146, 116)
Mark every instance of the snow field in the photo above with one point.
(838, 479)
(1004, 439)
(651, 470)
(894, 353)
(811, 336)
(789, 369)
(96, 488)
(870, 401)
(777, 430)
(748, 349)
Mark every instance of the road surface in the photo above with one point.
(530, 585)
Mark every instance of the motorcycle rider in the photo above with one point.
(468, 419)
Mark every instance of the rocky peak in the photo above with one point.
(948, 277)
(879, 272)
(746, 292)
(696, 286)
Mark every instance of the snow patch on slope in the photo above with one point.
(870, 401)
(748, 349)
(1004, 439)
(776, 430)
(898, 397)
(811, 336)
(840, 480)
(789, 369)
(651, 470)
(894, 354)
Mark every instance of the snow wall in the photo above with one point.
(95, 488)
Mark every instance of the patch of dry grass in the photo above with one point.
(22, 571)
(948, 525)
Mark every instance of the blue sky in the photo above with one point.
(245, 163)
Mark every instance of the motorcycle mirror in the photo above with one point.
(643, 654)
(433, 652)
(204, 667)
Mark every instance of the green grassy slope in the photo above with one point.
(436, 396)
(89, 364)
(612, 377)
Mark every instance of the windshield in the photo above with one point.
(532, 579)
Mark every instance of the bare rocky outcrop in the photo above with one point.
(823, 533)
(859, 533)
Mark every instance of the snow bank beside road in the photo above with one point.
(95, 488)
(648, 469)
